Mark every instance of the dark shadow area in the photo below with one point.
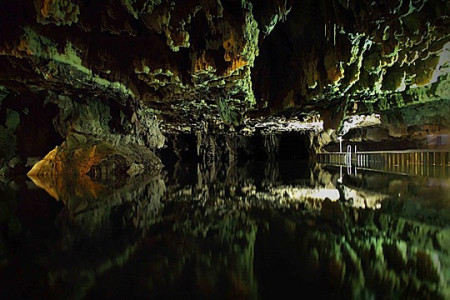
(29, 122)
(253, 149)
(293, 146)
(283, 53)
(179, 147)
(283, 267)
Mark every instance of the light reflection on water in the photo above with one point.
(254, 230)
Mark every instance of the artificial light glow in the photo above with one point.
(360, 121)
(364, 199)
(301, 194)
(291, 125)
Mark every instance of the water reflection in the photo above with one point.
(245, 230)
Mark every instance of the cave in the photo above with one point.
(225, 149)
(293, 146)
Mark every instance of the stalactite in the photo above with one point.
(334, 34)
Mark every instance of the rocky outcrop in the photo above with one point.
(226, 57)
(351, 53)
(423, 125)
(85, 165)
(102, 139)
(174, 56)
(104, 142)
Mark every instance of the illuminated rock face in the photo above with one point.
(85, 166)
(104, 142)
(220, 63)
(358, 50)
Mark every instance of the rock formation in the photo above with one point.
(133, 66)
(95, 96)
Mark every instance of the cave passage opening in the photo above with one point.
(294, 146)
(259, 147)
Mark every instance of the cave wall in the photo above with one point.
(205, 52)
(175, 56)
(117, 70)
(27, 132)
(337, 52)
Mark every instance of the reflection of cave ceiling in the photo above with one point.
(374, 233)
(191, 58)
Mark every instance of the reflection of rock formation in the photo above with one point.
(80, 170)
(413, 197)
(218, 244)
(180, 261)
(361, 254)
(136, 205)
(102, 233)
(359, 251)
(245, 232)
(277, 183)
(105, 229)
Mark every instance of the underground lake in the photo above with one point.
(225, 149)
(248, 230)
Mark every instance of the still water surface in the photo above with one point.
(246, 231)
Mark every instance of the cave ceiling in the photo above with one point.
(229, 61)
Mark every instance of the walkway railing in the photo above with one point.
(419, 161)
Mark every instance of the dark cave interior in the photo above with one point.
(225, 149)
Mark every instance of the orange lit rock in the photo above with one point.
(229, 45)
(58, 12)
(203, 62)
(236, 64)
(45, 10)
(83, 170)
(49, 165)
(60, 170)
(334, 72)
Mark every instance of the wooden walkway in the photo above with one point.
(435, 163)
